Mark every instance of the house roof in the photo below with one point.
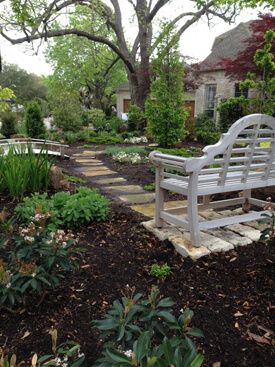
(226, 46)
(123, 87)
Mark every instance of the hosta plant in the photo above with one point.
(33, 260)
(145, 332)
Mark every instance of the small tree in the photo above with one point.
(34, 123)
(8, 120)
(265, 61)
(164, 107)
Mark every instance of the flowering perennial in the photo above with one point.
(136, 140)
(133, 158)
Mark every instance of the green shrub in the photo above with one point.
(67, 113)
(182, 152)
(136, 119)
(34, 260)
(164, 107)
(74, 179)
(105, 138)
(24, 172)
(8, 127)
(160, 271)
(97, 118)
(150, 187)
(206, 130)
(147, 332)
(33, 119)
(231, 111)
(68, 209)
(115, 123)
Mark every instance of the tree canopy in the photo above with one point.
(26, 86)
(29, 20)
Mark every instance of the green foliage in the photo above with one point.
(150, 187)
(231, 111)
(136, 119)
(84, 206)
(33, 260)
(34, 123)
(115, 150)
(160, 271)
(115, 123)
(264, 59)
(164, 108)
(97, 118)
(145, 332)
(5, 93)
(22, 172)
(106, 138)
(25, 86)
(8, 127)
(71, 137)
(74, 179)
(182, 152)
(206, 130)
(67, 112)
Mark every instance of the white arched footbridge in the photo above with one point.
(53, 148)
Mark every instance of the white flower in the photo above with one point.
(128, 353)
(181, 310)
(33, 275)
(80, 355)
(29, 239)
(8, 285)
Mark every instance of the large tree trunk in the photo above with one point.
(139, 87)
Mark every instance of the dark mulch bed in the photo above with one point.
(230, 294)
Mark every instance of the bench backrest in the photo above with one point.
(246, 153)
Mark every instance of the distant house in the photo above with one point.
(123, 100)
(123, 95)
(214, 85)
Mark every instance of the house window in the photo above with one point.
(210, 95)
(240, 92)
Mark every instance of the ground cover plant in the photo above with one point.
(132, 155)
(23, 172)
(66, 209)
(145, 332)
(33, 260)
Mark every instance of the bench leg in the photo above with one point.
(193, 215)
(159, 200)
(246, 205)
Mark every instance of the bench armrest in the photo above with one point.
(160, 159)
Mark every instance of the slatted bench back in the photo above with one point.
(244, 155)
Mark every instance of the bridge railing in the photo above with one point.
(53, 147)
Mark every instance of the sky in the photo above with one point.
(196, 42)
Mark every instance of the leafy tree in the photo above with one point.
(265, 61)
(91, 68)
(26, 86)
(35, 20)
(34, 123)
(5, 93)
(164, 108)
(243, 63)
(8, 123)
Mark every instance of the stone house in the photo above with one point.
(214, 86)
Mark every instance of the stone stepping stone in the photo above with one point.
(109, 181)
(126, 188)
(96, 168)
(246, 231)
(137, 199)
(149, 209)
(95, 173)
(90, 160)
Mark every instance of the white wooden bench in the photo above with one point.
(242, 160)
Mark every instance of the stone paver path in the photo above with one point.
(141, 201)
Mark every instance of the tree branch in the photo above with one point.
(73, 31)
(156, 8)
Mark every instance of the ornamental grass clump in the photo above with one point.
(23, 172)
(33, 260)
(145, 332)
